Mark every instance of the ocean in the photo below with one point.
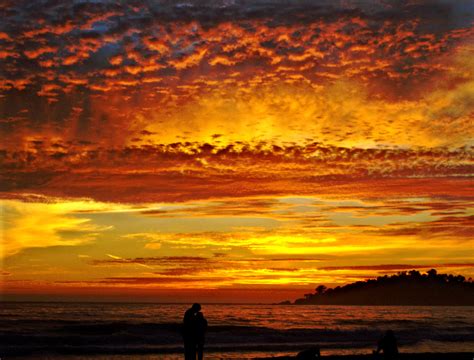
(148, 331)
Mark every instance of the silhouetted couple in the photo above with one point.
(194, 331)
(388, 344)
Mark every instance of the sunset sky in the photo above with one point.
(232, 151)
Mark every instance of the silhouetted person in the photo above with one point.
(388, 344)
(189, 332)
(200, 332)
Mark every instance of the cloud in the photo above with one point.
(384, 267)
(454, 226)
(143, 174)
(40, 225)
(162, 260)
(311, 241)
(288, 137)
(347, 73)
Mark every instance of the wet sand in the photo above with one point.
(415, 356)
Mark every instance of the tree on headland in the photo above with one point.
(321, 289)
(403, 288)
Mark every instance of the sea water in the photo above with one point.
(152, 331)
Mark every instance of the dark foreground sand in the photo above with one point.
(211, 356)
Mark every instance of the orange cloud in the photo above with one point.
(29, 225)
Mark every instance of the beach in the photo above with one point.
(211, 356)
(408, 356)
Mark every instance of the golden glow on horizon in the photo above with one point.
(286, 241)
